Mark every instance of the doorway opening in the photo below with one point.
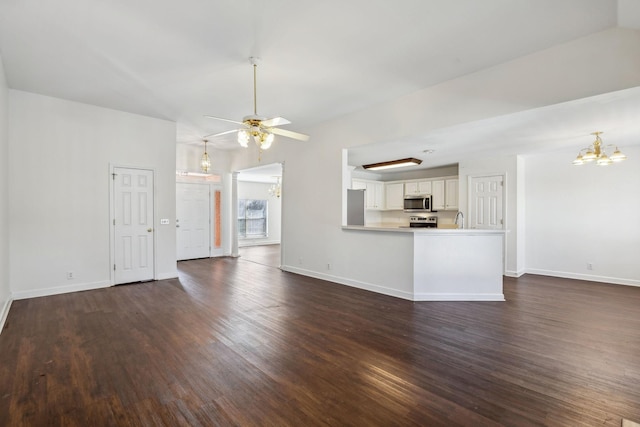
(259, 214)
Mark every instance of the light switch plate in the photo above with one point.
(164, 221)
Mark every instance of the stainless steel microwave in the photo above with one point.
(417, 203)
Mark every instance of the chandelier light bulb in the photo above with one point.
(617, 156)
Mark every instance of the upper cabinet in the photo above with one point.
(390, 195)
(374, 195)
(417, 187)
(445, 194)
(437, 200)
(394, 196)
(451, 194)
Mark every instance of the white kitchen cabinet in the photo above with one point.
(394, 196)
(358, 185)
(374, 195)
(437, 191)
(445, 195)
(451, 195)
(417, 187)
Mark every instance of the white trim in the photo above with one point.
(587, 277)
(348, 282)
(458, 297)
(245, 243)
(4, 313)
(57, 290)
(516, 274)
(394, 292)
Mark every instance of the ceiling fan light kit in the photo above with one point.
(596, 152)
(393, 164)
(261, 129)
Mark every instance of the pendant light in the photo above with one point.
(205, 161)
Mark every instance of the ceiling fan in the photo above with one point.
(262, 129)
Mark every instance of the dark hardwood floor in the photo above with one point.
(235, 342)
(262, 254)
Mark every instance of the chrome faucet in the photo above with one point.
(460, 216)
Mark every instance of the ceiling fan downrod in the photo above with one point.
(254, 62)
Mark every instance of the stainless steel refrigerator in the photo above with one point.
(355, 207)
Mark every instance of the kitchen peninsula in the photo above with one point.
(448, 264)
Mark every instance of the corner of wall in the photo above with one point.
(5, 289)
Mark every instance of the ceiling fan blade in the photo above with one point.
(289, 134)
(225, 120)
(276, 121)
(213, 135)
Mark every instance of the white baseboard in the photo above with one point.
(247, 243)
(43, 292)
(348, 282)
(516, 274)
(4, 312)
(458, 297)
(588, 277)
(394, 292)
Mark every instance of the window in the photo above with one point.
(252, 218)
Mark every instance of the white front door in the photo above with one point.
(133, 225)
(486, 194)
(193, 219)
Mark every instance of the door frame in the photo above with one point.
(112, 217)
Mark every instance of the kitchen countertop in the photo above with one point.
(421, 230)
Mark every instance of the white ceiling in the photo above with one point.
(319, 59)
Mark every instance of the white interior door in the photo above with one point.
(193, 220)
(486, 195)
(133, 225)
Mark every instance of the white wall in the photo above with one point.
(312, 209)
(5, 293)
(260, 191)
(583, 214)
(60, 155)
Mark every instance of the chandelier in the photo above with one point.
(275, 190)
(205, 161)
(596, 152)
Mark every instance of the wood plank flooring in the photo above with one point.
(235, 342)
(262, 254)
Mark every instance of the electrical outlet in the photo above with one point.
(69, 275)
(300, 260)
(589, 266)
(328, 266)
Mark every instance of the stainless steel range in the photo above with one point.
(423, 221)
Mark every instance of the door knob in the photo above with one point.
(177, 225)
(149, 230)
